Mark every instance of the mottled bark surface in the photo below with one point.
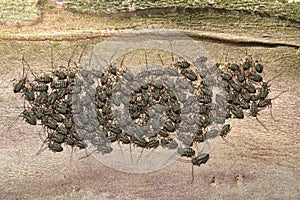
(268, 160)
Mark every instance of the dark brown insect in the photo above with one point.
(202, 158)
(254, 113)
(236, 86)
(254, 109)
(226, 76)
(240, 75)
(29, 117)
(20, 85)
(186, 152)
(40, 87)
(59, 84)
(189, 74)
(234, 67)
(225, 130)
(264, 102)
(255, 77)
(38, 112)
(249, 87)
(29, 94)
(182, 64)
(169, 126)
(49, 123)
(61, 75)
(258, 67)
(45, 79)
(264, 90)
(247, 63)
(55, 147)
(237, 112)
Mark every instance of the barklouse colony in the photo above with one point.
(77, 106)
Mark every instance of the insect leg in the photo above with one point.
(121, 149)
(71, 156)
(131, 159)
(229, 142)
(271, 110)
(140, 155)
(88, 154)
(15, 120)
(262, 124)
(192, 174)
(43, 147)
(150, 151)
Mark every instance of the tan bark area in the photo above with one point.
(268, 161)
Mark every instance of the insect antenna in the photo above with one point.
(122, 68)
(83, 50)
(109, 63)
(70, 59)
(160, 59)
(225, 55)
(23, 72)
(80, 56)
(24, 61)
(172, 54)
(146, 60)
(246, 52)
(62, 58)
(90, 58)
(52, 59)
(278, 75)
